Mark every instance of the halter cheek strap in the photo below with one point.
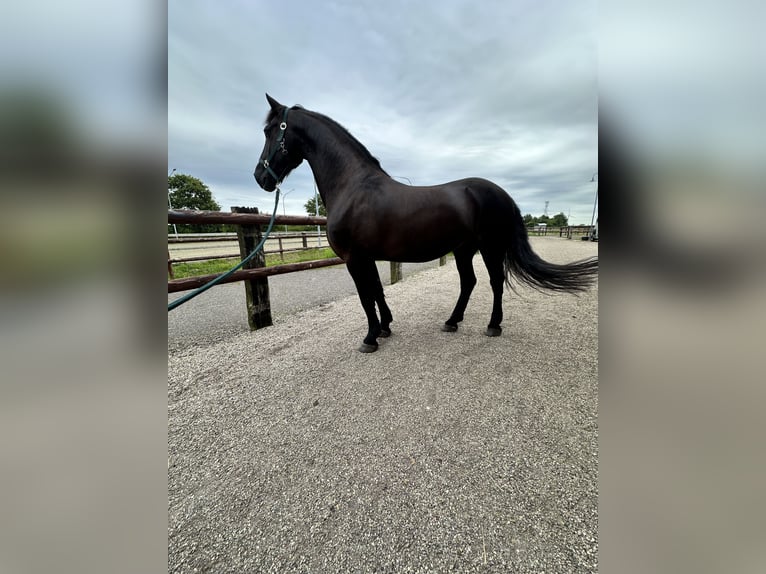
(280, 146)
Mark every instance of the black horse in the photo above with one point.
(370, 217)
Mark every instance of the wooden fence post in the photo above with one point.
(256, 290)
(442, 260)
(396, 272)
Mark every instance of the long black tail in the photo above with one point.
(527, 267)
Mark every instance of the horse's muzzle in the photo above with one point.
(263, 180)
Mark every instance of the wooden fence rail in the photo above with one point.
(247, 274)
(281, 253)
(567, 231)
(205, 238)
(280, 238)
(218, 217)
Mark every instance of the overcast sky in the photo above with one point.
(436, 91)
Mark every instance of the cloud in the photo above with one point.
(507, 92)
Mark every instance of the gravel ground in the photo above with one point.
(289, 451)
(220, 312)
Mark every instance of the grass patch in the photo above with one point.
(195, 268)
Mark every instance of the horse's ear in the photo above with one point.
(275, 105)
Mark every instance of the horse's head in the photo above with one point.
(281, 151)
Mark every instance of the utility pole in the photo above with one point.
(284, 211)
(170, 206)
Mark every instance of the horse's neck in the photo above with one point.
(336, 164)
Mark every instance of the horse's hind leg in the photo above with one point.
(365, 276)
(493, 259)
(464, 262)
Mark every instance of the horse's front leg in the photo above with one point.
(365, 276)
(385, 313)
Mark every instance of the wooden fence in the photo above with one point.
(567, 231)
(281, 239)
(254, 273)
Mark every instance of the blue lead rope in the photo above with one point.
(209, 284)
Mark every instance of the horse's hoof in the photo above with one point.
(447, 328)
(366, 348)
(494, 331)
(385, 333)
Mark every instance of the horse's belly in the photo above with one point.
(412, 247)
(406, 231)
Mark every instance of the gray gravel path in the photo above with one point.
(220, 312)
(289, 451)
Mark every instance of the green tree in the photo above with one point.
(189, 192)
(311, 207)
(528, 220)
(559, 220)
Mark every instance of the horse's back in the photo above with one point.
(477, 202)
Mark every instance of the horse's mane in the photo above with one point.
(338, 129)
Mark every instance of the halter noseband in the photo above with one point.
(281, 146)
